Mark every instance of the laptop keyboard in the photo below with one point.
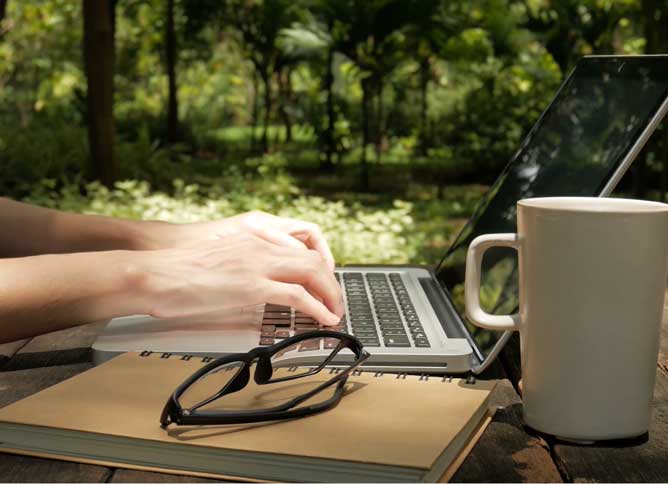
(379, 313)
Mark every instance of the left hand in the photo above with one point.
(282, 231)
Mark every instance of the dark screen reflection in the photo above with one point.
(572, 151)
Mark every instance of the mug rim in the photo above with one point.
(593, 205)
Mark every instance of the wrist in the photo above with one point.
(150, 234)
(146, 279)
(128, 290)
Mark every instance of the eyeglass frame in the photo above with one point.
(174, 413)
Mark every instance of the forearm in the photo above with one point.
(30, 230)
(51, 292)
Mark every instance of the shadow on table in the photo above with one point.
(42, 359)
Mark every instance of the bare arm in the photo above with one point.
(100, 267)
(45, 293)
(30, 230)
(51, 292)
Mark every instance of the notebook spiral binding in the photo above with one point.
(470, 379)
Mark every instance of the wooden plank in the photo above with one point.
(81, 336)
(636, 460)
(8, 350)
(505, 452)
(127, 475)
(490, 460)
(65, 347)
(16, 468)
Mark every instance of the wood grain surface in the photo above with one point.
(507, 452)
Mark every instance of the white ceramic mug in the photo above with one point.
(592, 279)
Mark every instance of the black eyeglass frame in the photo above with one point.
(173, 412)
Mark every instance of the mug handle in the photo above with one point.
(475, 314)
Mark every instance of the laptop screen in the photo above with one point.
(574, 149)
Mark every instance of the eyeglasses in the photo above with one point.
(312, 351)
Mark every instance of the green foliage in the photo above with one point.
(453, 86)
(42, 152)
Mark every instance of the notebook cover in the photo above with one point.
(415, 419)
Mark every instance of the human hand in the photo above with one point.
(282, 231)
(238, 269)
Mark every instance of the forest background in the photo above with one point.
(382, 120)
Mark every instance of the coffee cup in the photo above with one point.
(592, 279)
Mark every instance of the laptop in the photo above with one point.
(411, 319)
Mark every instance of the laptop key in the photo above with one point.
(266, 341)
(304, 321)
(276, 308)
(394, 331)
(277, 315)
(331, 343)
(309, 345)
(389, 320)
(422, 344)
(277, 322)
(363, 324)
(364, 331)
(396, 341)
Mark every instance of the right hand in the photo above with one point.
(239, 270)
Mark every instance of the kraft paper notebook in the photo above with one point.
(385, 429)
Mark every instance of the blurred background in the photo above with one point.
(381, 120)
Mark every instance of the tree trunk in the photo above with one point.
(170, 57)
(3, 9)
(425, 71)
(3, 12)
(98, 53)
(365, 134)
(266, 78)
(330, 148)
(285, 89)
(256, 109)
(380, 120)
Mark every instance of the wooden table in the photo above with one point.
(506, 452)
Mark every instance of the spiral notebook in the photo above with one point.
(386, 428)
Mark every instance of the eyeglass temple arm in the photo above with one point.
(324, 385)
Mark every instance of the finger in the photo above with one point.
(279, 238)
(311, 235)
(296, 296)
(307, 232)
(309, 270)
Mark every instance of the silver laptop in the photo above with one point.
(411, 319)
